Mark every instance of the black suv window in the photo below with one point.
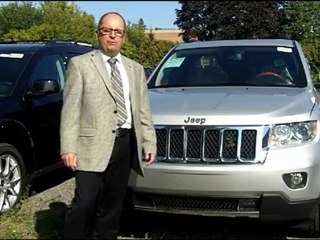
(11, 65)
(50, 67)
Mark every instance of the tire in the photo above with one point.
(12, 177)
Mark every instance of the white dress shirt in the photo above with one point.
(125, 85)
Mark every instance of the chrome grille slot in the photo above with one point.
(161, 143)
(229, 145)
(211, 145)
(194, 144)
(248, 146)
(176, 144)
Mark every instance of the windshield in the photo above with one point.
(11, 65)
(231, 66)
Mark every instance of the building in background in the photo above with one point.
(166, 34)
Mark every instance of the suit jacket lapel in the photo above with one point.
(100, 65)
(131, 77)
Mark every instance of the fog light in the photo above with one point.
(295, 180)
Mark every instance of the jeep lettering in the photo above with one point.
(195, 120)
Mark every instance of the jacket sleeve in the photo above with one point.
(149, 142)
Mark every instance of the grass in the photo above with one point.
(24, 222)
(18, 223)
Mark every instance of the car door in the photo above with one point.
(44, 110)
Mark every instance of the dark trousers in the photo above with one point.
(97, 205)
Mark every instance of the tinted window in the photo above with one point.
(50, 67)
(11, 66)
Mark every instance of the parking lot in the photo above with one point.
(147, 225)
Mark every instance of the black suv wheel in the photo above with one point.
(12, 176)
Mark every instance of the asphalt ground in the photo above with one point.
(147, 225)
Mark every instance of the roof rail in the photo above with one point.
(69, 42)
(48, 41)
(24, 41)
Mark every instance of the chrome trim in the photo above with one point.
(230, 137)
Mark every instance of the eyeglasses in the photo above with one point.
(108, 31)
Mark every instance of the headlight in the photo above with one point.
(292, 133)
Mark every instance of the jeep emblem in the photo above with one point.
(195, 120)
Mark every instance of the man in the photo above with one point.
(105, 129)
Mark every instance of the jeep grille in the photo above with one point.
(211, 145)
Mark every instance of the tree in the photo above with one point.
(302, 24)
(302, 20)
(130, 50)
(61, 20)
(19, 16)
(152, 51)
(66, 21)
(134, 38)
(208, 20)
(135, 32)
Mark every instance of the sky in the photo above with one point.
(155, 14)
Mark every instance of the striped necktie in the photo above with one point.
(118, 90)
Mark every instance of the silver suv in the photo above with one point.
(237, 125)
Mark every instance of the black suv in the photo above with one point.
(31, 85)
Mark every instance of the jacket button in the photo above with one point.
(113, 131)
(115, 111)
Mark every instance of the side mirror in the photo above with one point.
(44, 87)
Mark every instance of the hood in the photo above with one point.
(230, 105)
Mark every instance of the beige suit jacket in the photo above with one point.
(88, 118)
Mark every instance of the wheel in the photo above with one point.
(12, 177)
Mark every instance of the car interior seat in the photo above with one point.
(208, 72)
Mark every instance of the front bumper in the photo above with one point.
(231, 190)
(269, 208)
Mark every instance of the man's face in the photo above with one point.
(111, 34)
